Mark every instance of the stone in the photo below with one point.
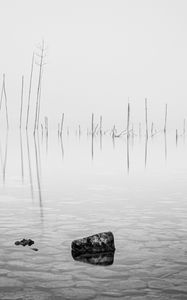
(97, 243)
(24, 242)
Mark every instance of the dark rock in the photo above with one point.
(97, 243)
(30, 242)
(34, 249)
(100, 259)
(24, 242)
(17, 243)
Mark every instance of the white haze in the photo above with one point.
(99, 55)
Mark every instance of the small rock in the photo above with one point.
(17, 243)
(34, 249)
(24, 242)
(30, 242)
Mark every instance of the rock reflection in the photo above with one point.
(100, 259)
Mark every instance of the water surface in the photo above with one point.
(56, 190)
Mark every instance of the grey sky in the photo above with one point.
(100, 53)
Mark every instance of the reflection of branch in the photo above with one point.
(165, 145)
(46, 141)
(92, 147)
(128, 160)
(5, 159)
(95, 129)
(39, 156)
(101, 139)
(62, 148)
(146, 150)
(21, 149)
(1, 155)
(38, 175)
(156, 133)
(30, 171)
(123, 132)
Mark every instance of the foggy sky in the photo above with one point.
(99, 54)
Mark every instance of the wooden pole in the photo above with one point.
(38, 116)
(30, 85)
(92, 124)
(176, 136)
(184, 126)
(166, 108)
(146, 123)
(62, 122)
(21, 107)
(38, 89)
(152, 129)
(6, 107)
(58, 129)
(128, 118)
(1, 99)
(100, 126)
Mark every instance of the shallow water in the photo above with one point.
(55, 191)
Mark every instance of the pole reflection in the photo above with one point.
(29, 164)
(38, 177)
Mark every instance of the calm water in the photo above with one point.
(55, 191)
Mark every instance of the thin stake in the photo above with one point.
(128, 119)
(62, 122)
(1, 99)
(166, 108)
(30, 86)
(152, 129)
(38, 89)
(92, 124)
(146, 123)
(184, 126)
(5, 101)
(176, 136)
(21, 107)
(100, 126)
